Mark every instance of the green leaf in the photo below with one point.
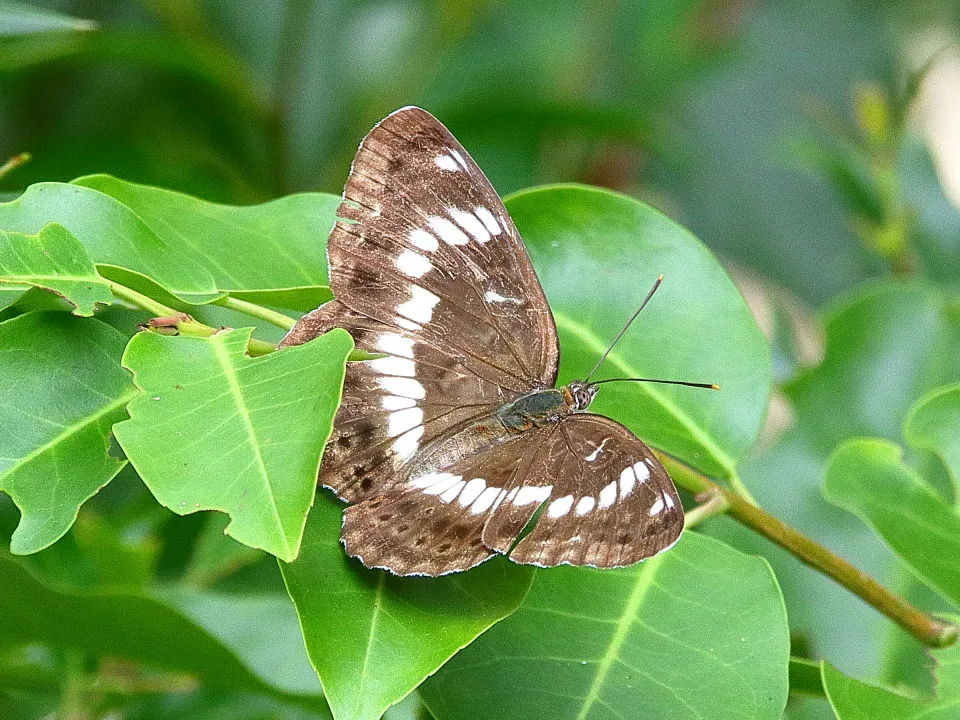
(696, 328)
(855, 700)
(868, 478)
(161, 242)
(61, 389)
(226, 641)
(19, 19)
(113, 236)
(9, 294)
(262, 630)
(217, 430)
(54, 260)
(373, 637)
(805, 677)
(934, 424)
(698, 632)
(289, 234)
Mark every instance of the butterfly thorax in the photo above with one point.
(543, 407)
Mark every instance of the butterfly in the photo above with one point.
(453, 445)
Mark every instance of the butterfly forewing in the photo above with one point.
(424, 244)
(392, 406)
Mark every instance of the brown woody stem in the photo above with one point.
(927, 629)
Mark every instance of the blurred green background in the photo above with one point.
(798, 139)
(717, 111)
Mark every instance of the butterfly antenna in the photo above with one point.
(633, 317)
(709, 386)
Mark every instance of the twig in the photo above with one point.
(928, 630)
(181, 323)
(257, 311)
(13, 163)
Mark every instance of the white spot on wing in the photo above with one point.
(399, 421)
(395, 344)
(406, 445)
(472, 491)
(628, 479)
(448, 232)
(394, 366)
(459, 158)
(669, 501)
(585, 505)
(446, 162)
(413, 264)
(405, 387)
(434, 483)
(419, 307)
(407, 324)
(527, 495)
(560, 506)
(470, 223)
(643, 474)
(395, 402)
(656, 507)
(608, 495)
(489, 497)
(494, 296)
(451, 494)
(488, 220)
(423, 240)
(596, 453)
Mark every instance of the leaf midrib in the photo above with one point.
(374, 619)
(236, 392)
(72, 429)
(642, 584)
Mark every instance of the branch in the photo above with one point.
(181, 323)
(928, 630)
(258, 311)
(13, 163)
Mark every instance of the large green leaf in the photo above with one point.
(696, 328)
(228, 642)
(61, 389)
(698, 632)
(54, 260)
(215, 429)
(165, 242)
(855, 700)
(289, 235)
(868, 478)
(934, 424)
(373, 637)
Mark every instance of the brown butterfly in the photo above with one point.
(454, 441)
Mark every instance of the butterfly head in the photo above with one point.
(582, 394)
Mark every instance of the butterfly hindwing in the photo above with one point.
(603, 499)
(610, 503)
